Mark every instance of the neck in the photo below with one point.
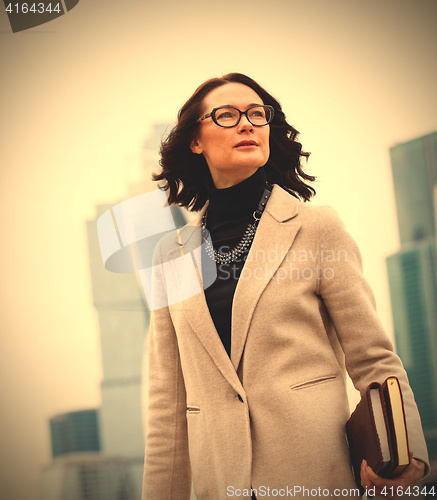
(222, 181)
(238, 200)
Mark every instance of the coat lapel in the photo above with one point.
(273, 239)
(188, 241)
(276, 232)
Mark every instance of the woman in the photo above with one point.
(247, 388)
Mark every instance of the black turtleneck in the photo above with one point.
(230, 211)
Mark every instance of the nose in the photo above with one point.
(244, 124)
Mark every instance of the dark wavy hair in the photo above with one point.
(184, 172)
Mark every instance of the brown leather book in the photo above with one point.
(377, 432)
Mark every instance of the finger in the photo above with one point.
(379, 481)
(365, 480)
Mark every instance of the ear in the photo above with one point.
(196, 147)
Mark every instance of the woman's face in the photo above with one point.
(230, 162)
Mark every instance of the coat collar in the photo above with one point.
(275, 233)
(282, 206)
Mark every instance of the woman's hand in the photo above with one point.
(411, 476)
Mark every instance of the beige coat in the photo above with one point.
(273, 416)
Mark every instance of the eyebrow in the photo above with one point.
(249, 105)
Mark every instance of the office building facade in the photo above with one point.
(75, 432)
(412, 274)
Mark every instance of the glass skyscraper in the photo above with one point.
(75, 432)
(123, 323)
(87, 476)
(412, 274)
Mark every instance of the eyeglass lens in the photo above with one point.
(228, 117)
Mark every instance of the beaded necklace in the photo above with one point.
(246, 241)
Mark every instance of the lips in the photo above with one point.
(246, 143)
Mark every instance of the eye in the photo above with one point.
(224, 114)
(257, 113)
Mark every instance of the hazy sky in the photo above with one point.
(79, 96)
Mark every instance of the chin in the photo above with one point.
(250, 162)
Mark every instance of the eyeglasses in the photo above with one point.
(227, 116)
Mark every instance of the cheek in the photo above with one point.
(267, 144)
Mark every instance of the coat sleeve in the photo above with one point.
(350, 302)
(167, 472)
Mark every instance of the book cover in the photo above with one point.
(376, 431)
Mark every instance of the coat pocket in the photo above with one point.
(192, 409)
(311, 383)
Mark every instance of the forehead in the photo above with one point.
(234, 94)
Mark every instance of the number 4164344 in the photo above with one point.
(410, 491)
(34, 8)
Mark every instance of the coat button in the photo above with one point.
(240, 398)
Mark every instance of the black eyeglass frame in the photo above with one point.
(213, 112)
